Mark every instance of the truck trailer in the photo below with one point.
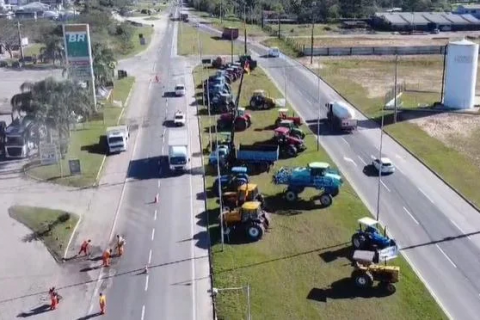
(341, 116)
(178, 150)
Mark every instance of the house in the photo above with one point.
(473, 9)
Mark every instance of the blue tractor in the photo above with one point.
(369, 238)
(230, 182)
(316, 175)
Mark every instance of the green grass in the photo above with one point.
(286, 267)
(52, 227)
(456, 168)
(84, 145)
(188, 43)
(33, 49)
(136, 47)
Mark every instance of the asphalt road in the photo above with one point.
(163, 235)
(435, 228)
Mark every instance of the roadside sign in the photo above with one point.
(48, 153)
(78, 51)
(74, 166)
(388, 253)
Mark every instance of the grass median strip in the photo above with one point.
(300, 269)
(52, 227)
(86, 144)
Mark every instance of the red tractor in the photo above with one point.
(242, 121)
(290, 145)
(283, 115)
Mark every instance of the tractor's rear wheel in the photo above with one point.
(253, 105)
(255, 231)
(388, 287)
(291, 196)
(362, 279)
(326, 200)
(358, 241)
(241, 124)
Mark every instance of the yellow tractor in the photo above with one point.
(244, 193)
(249, 219)
(366, 272)
(260, 100)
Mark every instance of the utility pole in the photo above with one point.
(311, 38)
(278, 20)
(395, 90)
(380, 167)
(221, 14)
(245, 27)
(22, 58)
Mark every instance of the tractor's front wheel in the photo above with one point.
(255, 231)
(291, 151)
(388, 287)
(326, 200)
(362, 279)
(358, 241)
(291, 196)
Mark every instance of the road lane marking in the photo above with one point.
(349, 160)
(443, 252)
(423, 192)
(154, 66)
(150, 256)
(399, 157)
(153, 234)
(384, 185)
(361, 160)
(146, 282)
(348, 144)
(149, 84)
(456, 225)
(143, 312)
(398, 168)
(373, 157)
(158, 183)
(155, 215)
(411, 216)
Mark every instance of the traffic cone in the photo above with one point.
(156, 199)
(146, 269)
(156, 78)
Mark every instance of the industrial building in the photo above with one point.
(425, 21)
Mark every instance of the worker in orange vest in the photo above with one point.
(53, 299)
(120, 245)
(84, 247)
(103, 303)
(106, 257)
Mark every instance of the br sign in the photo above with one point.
(78, 51)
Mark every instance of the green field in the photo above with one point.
(52, 227)
(300, 269)
(86, 145)
(189, 40)
(136, 47)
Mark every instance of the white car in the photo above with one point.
(384, 165)
(274, 52)
(180, 90)
(179, 118)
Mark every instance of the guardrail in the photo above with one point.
(370, 51)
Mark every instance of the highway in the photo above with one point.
(164, 235)
(436, 229)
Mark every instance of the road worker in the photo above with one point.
(53, 298)
(120, 245)
(84, 247)
(103, 303)
(106, 257)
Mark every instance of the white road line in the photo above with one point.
(164, 131)
(399, 157)
(373, 157)
(150, 256)
(149, 84)
(349, 160)
(363, 161)
(146, 283)
(348, 144)
(154, 66)
(456, 225)
(384, 185)
(155, 215)
(425, 195)
(411, 216)
(158, 183)
(398, 168)
(143, 313)
(153, 234)
(450, 260)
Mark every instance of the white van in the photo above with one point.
(274, 52)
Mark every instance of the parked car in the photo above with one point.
(180, 90)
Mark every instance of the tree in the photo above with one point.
(8, 36)
(53, 49)
(103, 64)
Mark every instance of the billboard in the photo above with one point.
(78, 51)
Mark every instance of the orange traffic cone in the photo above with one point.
(146, 269)
(156, 199)
(156, 78)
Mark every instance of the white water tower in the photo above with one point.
(461, 74)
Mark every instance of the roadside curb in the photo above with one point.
(71, 236)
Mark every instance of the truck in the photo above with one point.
(184, 16)
(230, 33)
(178, 150)
(257, 157)
(341, 116)
(117, 139)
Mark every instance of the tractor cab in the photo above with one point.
(249, 218)
(286, 124)
(282, 113)
(223, 139)
(259, 93)
(318, 168)
(368, 237)
(246, 192)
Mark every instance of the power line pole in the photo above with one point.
(22, 58)
(311, 38)
(245, 26)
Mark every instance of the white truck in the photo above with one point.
(341, 115)
(117, 139)
(178, 149)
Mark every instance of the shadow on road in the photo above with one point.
(38, 310)
(147, 168)
(90, 316)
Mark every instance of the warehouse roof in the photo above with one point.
(424, 18)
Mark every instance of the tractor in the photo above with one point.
(369, 238)
(283, 115)
(249, 218)
(244, 193)
(316, 175)
(237, 177)
(246, 58)
(218, 63)
(241, 120)
(290, 146)
(366, 272)
(293, 130)
(261, 101)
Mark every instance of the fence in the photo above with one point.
(297, 48)
(370, 51)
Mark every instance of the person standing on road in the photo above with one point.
(120, 245)
(106, 257)
(103, 303)
(84, 247)
(53, 299)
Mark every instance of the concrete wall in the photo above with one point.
(370, 51)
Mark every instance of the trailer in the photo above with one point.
(257, 157)
(341, 116)
(230, 33)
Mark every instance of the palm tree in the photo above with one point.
(52, 49)
(103, 64)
